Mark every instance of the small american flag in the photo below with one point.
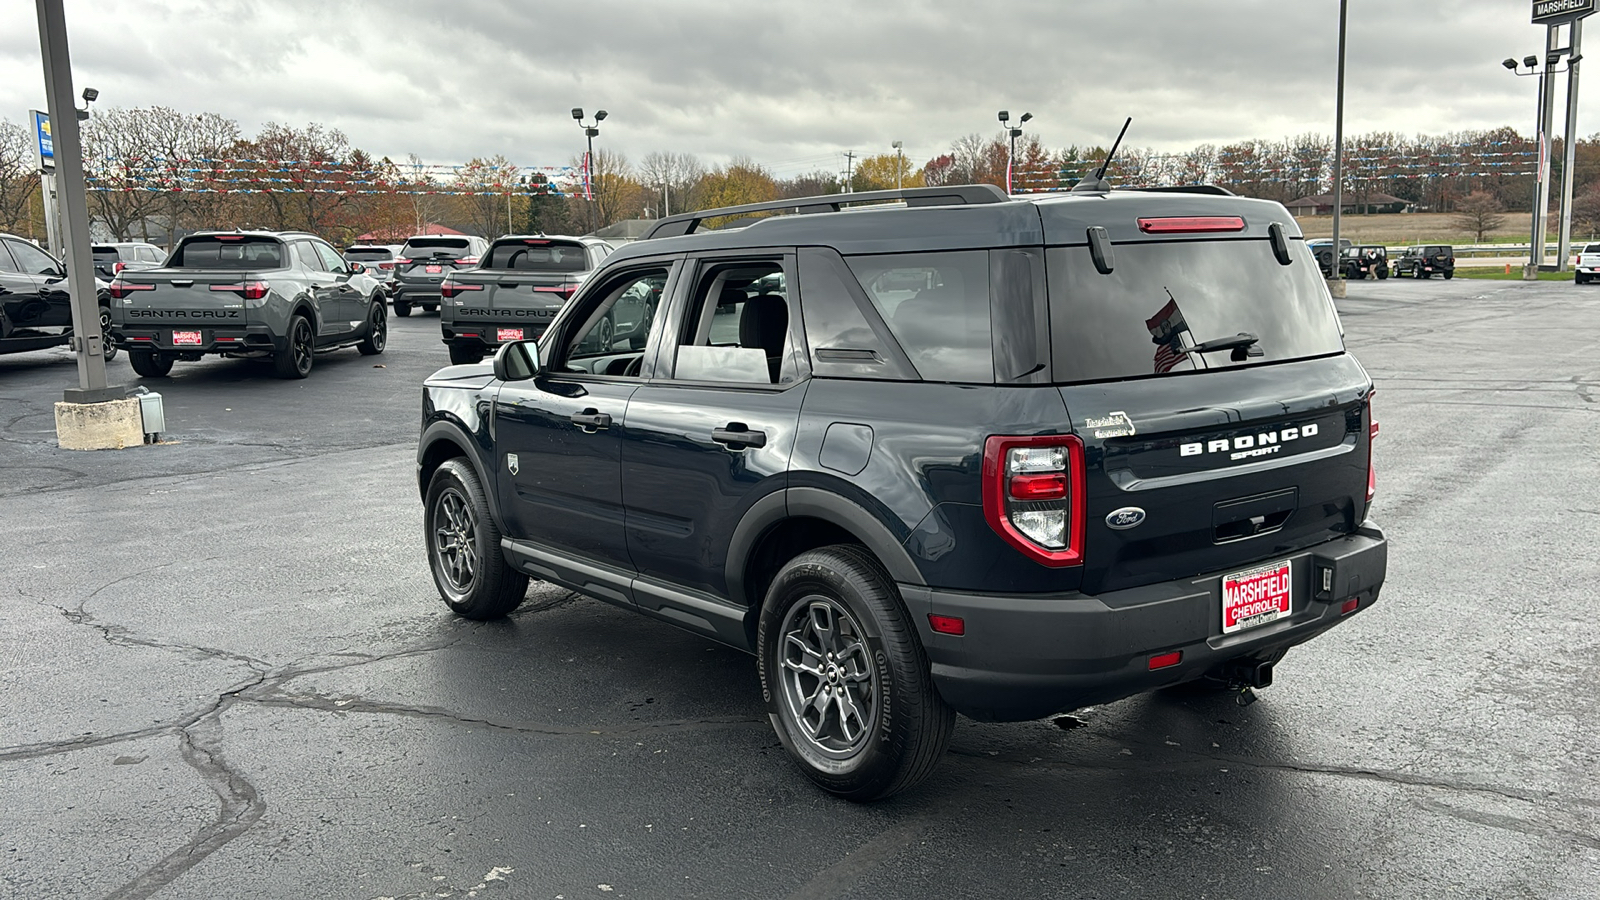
(1167, 356)
(1165, 327)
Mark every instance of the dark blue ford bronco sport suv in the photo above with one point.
(952, 452)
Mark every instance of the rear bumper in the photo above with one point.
(489, 334)
(229, 339)
(415, 293)
(1028, 657)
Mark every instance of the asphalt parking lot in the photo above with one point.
(227, 674)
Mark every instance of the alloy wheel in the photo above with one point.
(830, 685)
(454, 550)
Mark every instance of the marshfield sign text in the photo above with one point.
(1546, 12)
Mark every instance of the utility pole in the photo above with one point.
(899, 166)
(849, 171)
(1336, 276)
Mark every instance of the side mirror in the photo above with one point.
(517, 361)
(356, 268)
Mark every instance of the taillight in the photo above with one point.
(1372, 434)
(252, 290)
(451, 288)
(121, 289)
(1190, 224)
(405, 262)
(386, 265)
(467, 261)
(1033, 495)
(565, 290)
(118, 267)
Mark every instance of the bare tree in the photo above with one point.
(672, 176)
(1479, 213)
(486, 186)
(19, 179)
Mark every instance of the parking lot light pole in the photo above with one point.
(1541, 176)
(899, 164)
(88, 344)
(1336, 267)
(1012, 133)
(590, 132)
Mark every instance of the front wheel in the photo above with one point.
(464, 554)
(294, 361)
(461, 355)
(149, 363)
(377, 331)
(845, 678)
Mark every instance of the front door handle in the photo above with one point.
(591, 420)
(737, 437)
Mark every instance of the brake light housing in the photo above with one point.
(1372, 435)
(1191, 224)
(121, 289)
(451, 288)
(252, 290)
(467, 261)
(1034, 495)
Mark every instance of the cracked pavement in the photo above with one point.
(226, 674)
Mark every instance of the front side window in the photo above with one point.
(614, 331)
(937, 307)
(330, 257)
(308, 257)
(738, 328)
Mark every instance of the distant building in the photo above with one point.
(1322, 204)
(399, 235)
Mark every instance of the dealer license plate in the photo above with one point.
(508, 334)
(433, 270)
(1255, 597)
(186, 338)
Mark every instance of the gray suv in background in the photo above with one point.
(111, 259)
(424, 262)
(377, 259)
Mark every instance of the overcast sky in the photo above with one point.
(790, 84)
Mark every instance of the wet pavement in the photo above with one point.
(226, 674)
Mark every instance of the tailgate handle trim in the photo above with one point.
(1125, 479)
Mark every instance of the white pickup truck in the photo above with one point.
(1588, 264)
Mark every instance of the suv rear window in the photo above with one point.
(1164, 297)
(538, 255)
(428, 248)
(365, 254)
(229, 252)
(106, 254)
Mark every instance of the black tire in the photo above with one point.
(402, 308)
(150, 363)
(875, 655)
(108, 349)
(430, 307)
(295, 360)
(377, 331)
(1449, 274)
(471, 574)
(463, 355)
(1383, 273)
(1419, 274)
(1580, 278)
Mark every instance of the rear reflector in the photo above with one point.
(1191, 224)
(1166, 660)
(947, 624)
(1349, 606)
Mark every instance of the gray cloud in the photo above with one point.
(790, 84)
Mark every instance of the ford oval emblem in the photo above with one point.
(1125, 518)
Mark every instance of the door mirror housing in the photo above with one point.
(517, 361)
(356, 268)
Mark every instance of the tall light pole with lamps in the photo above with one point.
(1541, 137)
(590, 132)
(1012, 133)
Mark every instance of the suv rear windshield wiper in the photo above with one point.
(1243, 339)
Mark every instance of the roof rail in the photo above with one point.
(1184, 189)
(949, 195)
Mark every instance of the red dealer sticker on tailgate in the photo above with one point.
(508, 334)
(186, 338)
(1255, 597)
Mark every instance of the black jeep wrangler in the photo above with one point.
(1426, 262)
(957, 452)
(1363, 260)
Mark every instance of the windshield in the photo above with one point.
(538, 255)
(1164, 298)
(228, 252)
(431, 248)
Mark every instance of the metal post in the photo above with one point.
(52, 220)
(666, 200)
(1547, 113)
(588, 178)
(87, 341)
(1337, 267)
(1570, 154)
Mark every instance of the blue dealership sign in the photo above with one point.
(46, 145)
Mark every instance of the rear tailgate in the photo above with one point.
(424, 262)
(519, 288)
(1224, 425)
(185, 309)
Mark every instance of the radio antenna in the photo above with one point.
(1097, 182)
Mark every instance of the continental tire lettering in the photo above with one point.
(886, 694)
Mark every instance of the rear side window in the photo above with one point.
(429, 248)
(229, 252)
(1165, 298)
(538, 255)
(937, 307)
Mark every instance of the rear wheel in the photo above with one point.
(1383, 273)
(377, 331)
(109, 349)
(430, 307)
(294, 361)
(834, 647)
(462, 355)
(469, 570)
(1449, 274)
(402, 308)
(1580, 278)
(150, 363)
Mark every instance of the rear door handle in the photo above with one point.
(738, 437)
(591, 420)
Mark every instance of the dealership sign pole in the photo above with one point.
(1553, 14)
(44, 148)
(87, 341)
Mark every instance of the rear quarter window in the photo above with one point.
(937, 307)
(1165, 297)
